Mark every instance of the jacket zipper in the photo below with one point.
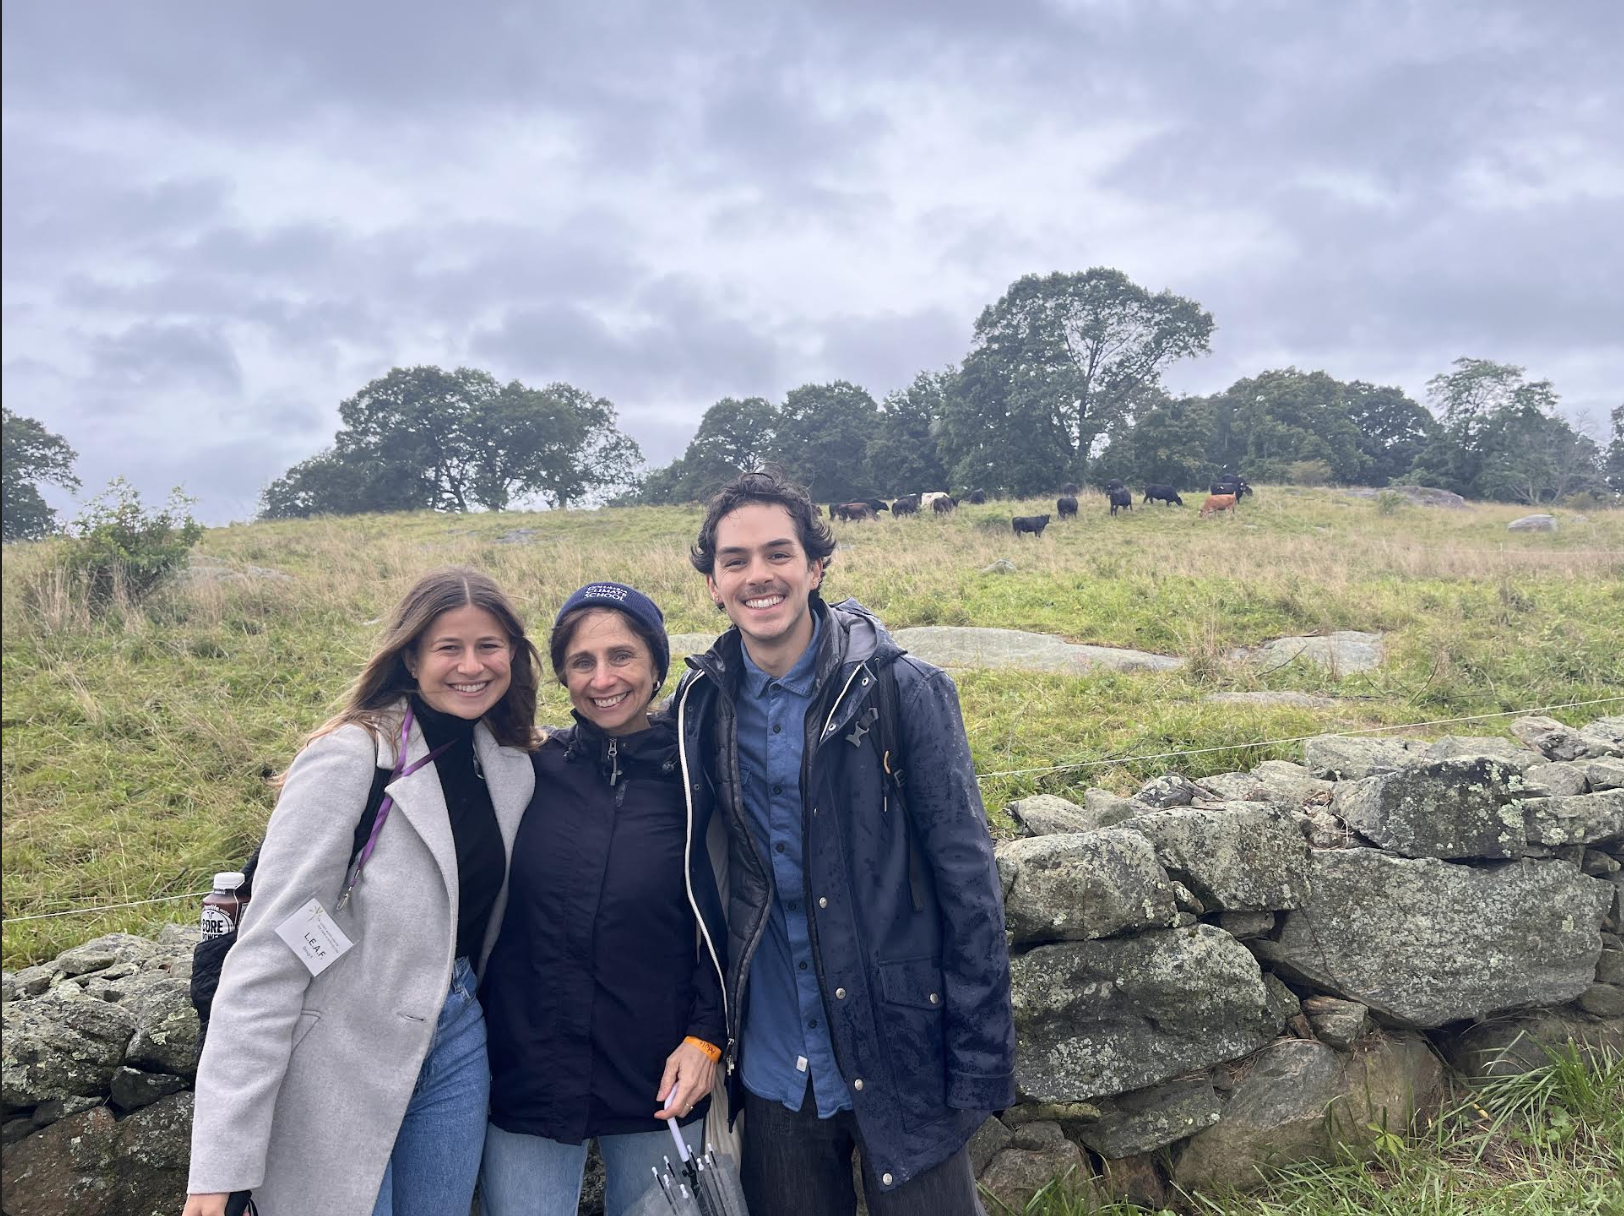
(688, 875)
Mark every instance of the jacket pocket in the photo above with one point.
(306, 1023)
(911, 1032)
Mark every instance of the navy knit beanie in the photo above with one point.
(634, 604)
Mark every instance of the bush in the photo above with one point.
(1308, 472)
(1390, 502)
(119, 551)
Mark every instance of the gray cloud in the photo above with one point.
(219, 223)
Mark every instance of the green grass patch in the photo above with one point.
(137, 746)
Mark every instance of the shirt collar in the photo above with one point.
(798, 680)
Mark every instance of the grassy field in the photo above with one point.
(137, 747)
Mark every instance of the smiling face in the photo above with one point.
(609, 672)
(764, 581)
(461, 662)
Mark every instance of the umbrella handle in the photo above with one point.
(676, 1134)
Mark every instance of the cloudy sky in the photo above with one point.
(220, 220)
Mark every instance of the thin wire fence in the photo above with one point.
(1069, 766)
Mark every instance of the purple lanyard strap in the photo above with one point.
(388, 803)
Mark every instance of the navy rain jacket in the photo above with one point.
(917, 1001)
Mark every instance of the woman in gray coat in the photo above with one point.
(345, 1067)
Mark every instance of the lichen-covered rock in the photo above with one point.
(1423, 942)
(1148, 1119)
(90, 1165)
(1557, 779)
(1111, 808)
(1604, 737)
(1344, 758)
(990, 1139)
(1299, 1100)
(1604, 774)
(166, 1030)
(1047, 815)
(133, 1089)
(1082, 885)
(1584, 819)
(1550, 738)
(1458, 808)
(32, 981)
(1230, 787)
(103, 952)
(57, 1048)
(1289, 784)
(1170, 789)
(1236, 856)
(1104, 1017)
(1243, 925)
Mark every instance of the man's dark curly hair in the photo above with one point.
(770, 487)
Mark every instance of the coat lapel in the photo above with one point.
(511, 779)
(419, 799)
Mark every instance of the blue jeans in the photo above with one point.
(436, 1158)
(534, 1176)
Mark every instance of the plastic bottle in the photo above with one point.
(222, 907)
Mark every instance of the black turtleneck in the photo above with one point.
(481, 859)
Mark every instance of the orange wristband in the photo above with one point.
(712, 1052)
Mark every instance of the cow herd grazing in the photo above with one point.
(1224, 494)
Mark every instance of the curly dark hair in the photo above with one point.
(770, 487)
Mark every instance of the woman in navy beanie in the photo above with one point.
(603, 994)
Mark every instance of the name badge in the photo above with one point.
(311, 934)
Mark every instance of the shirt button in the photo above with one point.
(778, 789)
(813, 1023)
(791, 905)
(803, 966)
(934, 999)
(858, 1085)
(777, 729)
(886, 1178)
(779, 846)
(823, 903)
(840, 994)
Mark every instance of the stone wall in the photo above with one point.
(1208, 977)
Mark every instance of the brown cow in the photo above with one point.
(1216, 503)
(851, 511)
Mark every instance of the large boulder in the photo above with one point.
(1300, 1100)
(1083, 885)
(60, 1046)
(1105, 1017)
(90, 1165)
(1236, 856)
(1423, 942)
(1347, 758)
(1533, 523)
(1582, 819)
(1455, 808)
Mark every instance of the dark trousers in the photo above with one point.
(796, 1164)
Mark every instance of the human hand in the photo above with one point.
(690, 1072)
(205, 1205)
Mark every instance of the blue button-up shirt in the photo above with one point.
(784, 1036)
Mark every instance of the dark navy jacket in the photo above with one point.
(918, 1001)
(600, 968)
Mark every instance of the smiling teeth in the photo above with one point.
(770, 601)
(469, 688)
(609, 702)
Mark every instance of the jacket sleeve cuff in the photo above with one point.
(981, 1093)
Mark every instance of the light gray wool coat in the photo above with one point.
(304, 1081)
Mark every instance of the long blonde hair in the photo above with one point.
(372, 701)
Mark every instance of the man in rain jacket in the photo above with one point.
(867, 996)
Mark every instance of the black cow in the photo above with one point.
(945, 506)
(976, 497)
(906, 506)
(1121, 498)
(1070, 489)
(1066, 507)
(877, 504)
(1166, 494)
(1030, 523)
(1230, 485)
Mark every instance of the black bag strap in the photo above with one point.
(894, 762)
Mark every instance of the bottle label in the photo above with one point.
(217, 922)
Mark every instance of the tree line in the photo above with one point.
(1063, 382)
